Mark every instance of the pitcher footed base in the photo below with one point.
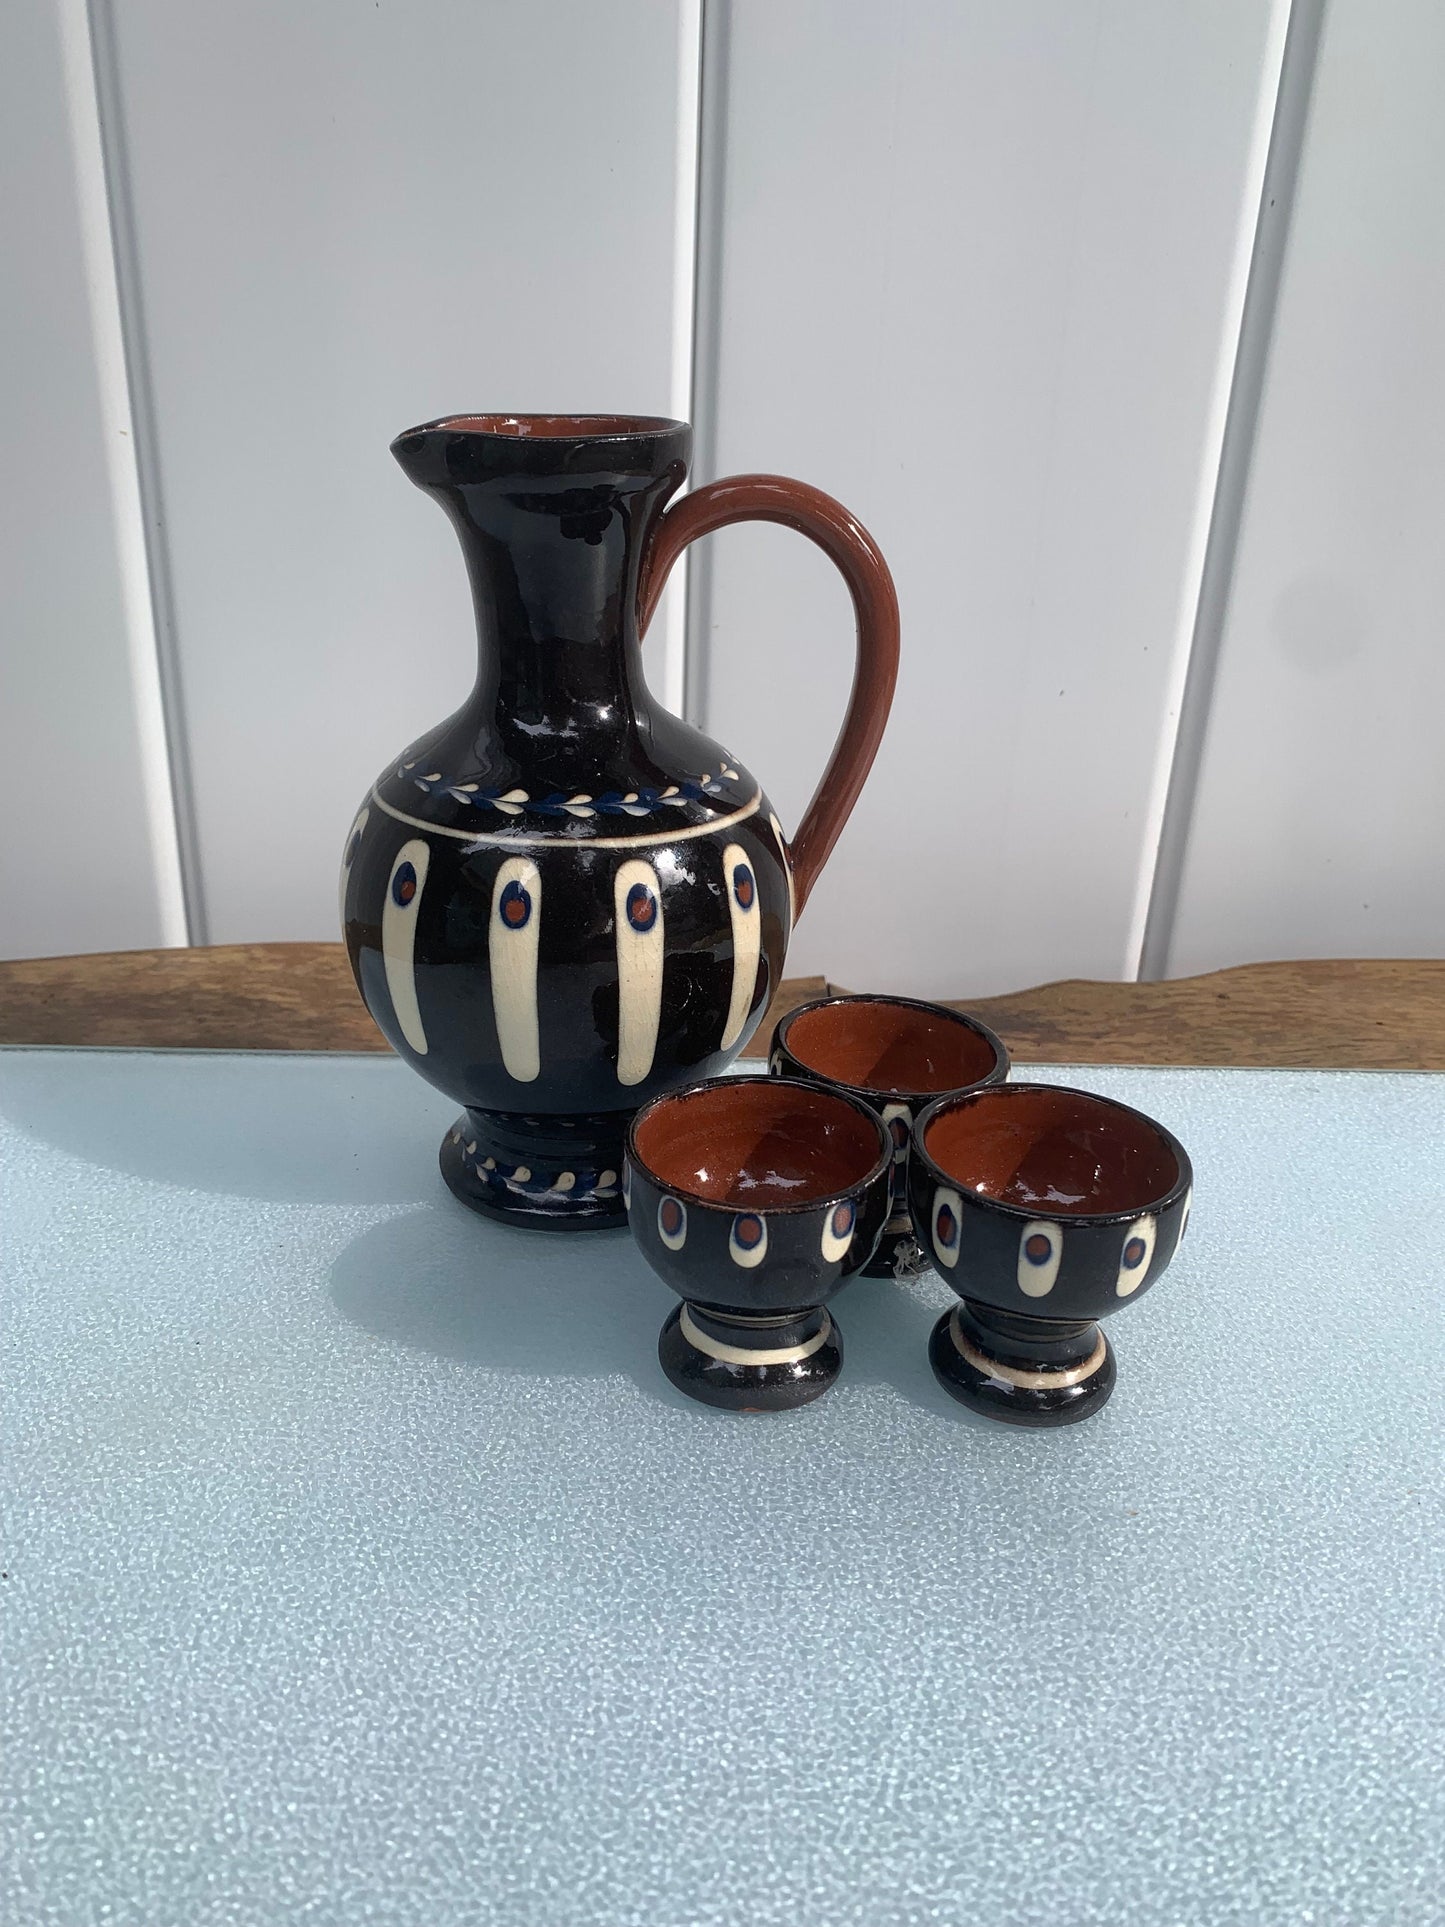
(539, 1173)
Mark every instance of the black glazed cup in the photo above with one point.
(1045, 1209)
(754, 1198)
(896, 1055)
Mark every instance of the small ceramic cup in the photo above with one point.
(754, 1198)
(896, 1054)
(1045, 1209)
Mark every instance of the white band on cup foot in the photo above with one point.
(741, 1355)
(1026, 1381)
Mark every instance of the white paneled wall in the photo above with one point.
(79, 863)
(976, 266)
(1318, 828)
(348, 219)
(980, 277)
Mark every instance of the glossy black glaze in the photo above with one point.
(558, 752)
(997, 1336)
(539, 1173)
(970, 1358)
(770, 1305)
(735, 1387)
(897, 1108)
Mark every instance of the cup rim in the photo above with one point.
(821, 1202)
(1026, 1214)
(872, 1094)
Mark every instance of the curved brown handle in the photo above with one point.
(774, 498)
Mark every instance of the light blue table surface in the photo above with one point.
(360, 1566)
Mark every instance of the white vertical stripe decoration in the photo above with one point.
(512, 939)
(899, 1120)
(637, 900)
(398, 937)
(742, 893)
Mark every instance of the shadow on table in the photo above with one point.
(289, 1130)
(885, 1337)
(437, 1277)
(442, 1281)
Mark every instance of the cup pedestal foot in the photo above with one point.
(1024, 1371)
(747, 1363)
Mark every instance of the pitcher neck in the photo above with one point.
(554, 584)
(553, 526)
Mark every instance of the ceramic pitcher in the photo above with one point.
(564, 900)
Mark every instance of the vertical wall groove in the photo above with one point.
(107, 337)
(163, 669)
(706, 331)
(1256, 330)
(673, 613)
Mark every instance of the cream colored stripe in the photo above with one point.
(1027, 1381)
(747, 942)
(513, 958)
(738, 1355)
(398, 942)
(639, 974)
(477, 838)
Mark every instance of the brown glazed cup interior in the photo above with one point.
(1057, 1152)
(763, 1142)
(876, 1044)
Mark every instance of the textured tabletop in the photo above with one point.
(359, 1565)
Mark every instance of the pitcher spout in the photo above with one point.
(554, 514)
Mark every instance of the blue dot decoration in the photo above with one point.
(842, 1221)
(946, 1227)
(744, 887)
(1038, 1250)
(1134, 1253)
(514, 906)
(641, 907)
(748, 1231)
(403, 885)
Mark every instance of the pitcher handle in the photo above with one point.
(841, 536)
